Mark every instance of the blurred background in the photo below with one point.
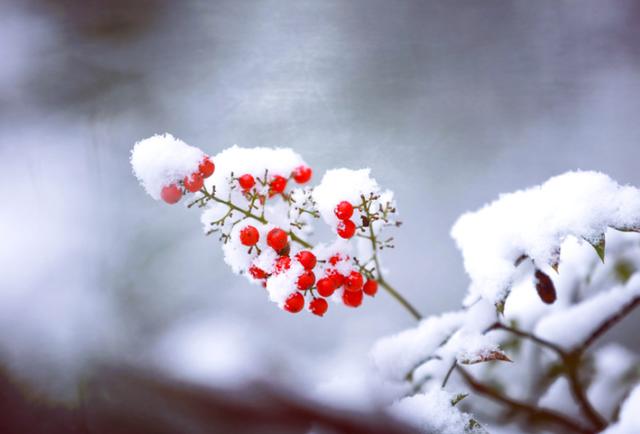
(449, 103)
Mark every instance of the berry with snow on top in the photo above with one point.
(302, 174)
(346, 229)
(206, 167)
(306, 280)
(344, 210)
(307, 259)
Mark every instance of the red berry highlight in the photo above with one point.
(352, 299)
(294, 303)
(277, 239)
(346, 229)
(353, 282)
(306, 280)
(249, 236)
(326, 287)
(171, 194)
(278, 185)
(336, 278)
(257, 273)
(306, 259)
(246, 181)
(194, 182)
(282, 263)
(370, 287)
(302, 174)
(344, 210)
(318, 306)
(206, 167)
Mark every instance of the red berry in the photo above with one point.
(333, 260)
(282, 263)
(246, 181)
(206, 167)
(194, 182)
(249, 236)
(171, 194)
(346, 229)
(278, 185)
(306, 259)
(306, 280)
(277, 239)
(294, 303)
(326, 287)
(336, 278)
(318, 306)
(257, 273)
(352, 299)
(370, 287)
(302, 174)
(344, 210)
(353, 282)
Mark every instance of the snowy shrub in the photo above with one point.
(256, 201)
(553, 268)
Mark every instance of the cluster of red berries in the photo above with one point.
(346, 227)
(278, 183)
(353, 283)
(172, 193)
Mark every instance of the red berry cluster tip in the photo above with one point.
(172, 193)
(346, 227)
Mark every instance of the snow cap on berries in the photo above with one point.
(253, 161)
(161, 160)
(339, 185)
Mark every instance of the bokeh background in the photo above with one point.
(450, 104)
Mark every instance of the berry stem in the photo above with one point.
(380, 279)
(249, 214)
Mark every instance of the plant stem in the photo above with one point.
(399, 298)
(391, 290)
(549, 416)
(607, 324)
(571, 363)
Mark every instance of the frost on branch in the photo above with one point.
(434, 412)
(572, 326)
(530, 254)
(163, 160)
(535, 222)
(256, 201)
(629, 421)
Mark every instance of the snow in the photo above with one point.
(614, 365)
(472, 347)
(535, 221)
(432, 412)
(395, 356)
(629, 422)
(569, 328)
(161, 160)
(339, 185)
(280, 286)
(238, 161)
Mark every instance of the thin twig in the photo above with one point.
(549, 416)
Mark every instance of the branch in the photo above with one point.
(549, 416)
(571, 363)
(374, 244)
(608, 324)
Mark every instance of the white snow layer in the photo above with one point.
(570, 327)
(535, 221)
(433, 412)
(629, 422)
(161, 160)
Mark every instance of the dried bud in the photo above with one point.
(545, 287)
